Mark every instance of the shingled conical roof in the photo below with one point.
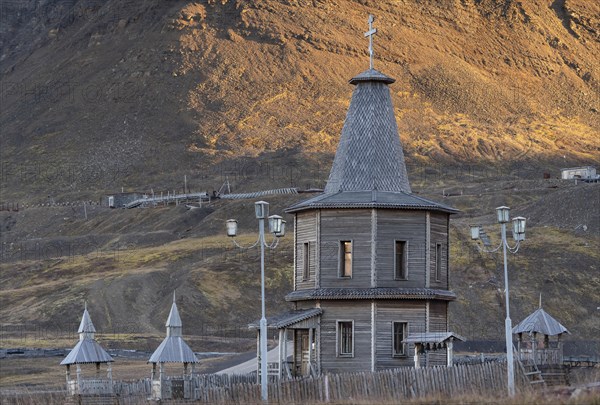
(87, 350)
(86, 326)
(368, 169)
(173, 348)
(540, 322)
(369, 155)
(174, 324)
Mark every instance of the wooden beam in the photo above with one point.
(449, 352)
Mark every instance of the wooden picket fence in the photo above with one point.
(389, 386)
(382, 386)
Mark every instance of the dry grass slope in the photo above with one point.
(133, 95)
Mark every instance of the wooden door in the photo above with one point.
(177, 388)
(301, 352)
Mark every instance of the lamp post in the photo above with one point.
(518, 232)
(277, 228)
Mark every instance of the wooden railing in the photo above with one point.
(90, 386)
(541, 356)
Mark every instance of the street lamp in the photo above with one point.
(518, 235)
(277, 228)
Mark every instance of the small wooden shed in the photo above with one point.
(88, 351)
(534, 351)
(433, 341)
(173, 349)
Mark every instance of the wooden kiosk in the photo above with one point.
(173, 349)
(540, 354)
(88, 351)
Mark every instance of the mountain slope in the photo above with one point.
(137, 93)
(99, 97)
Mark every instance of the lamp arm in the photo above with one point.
(489, 250)
(515, 248)
(246, 247)
(273, 244)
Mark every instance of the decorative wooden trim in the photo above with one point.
(373, 249)
(318, 252)
(447, 253)
(427, 315)
(295, 248)
(427, 249)
(373, 335)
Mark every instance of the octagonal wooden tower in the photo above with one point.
(371, 274)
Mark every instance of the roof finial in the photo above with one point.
(370, 34)
(540, 299)
(173, 296)
(85, 305)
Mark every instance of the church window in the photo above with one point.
(400, 261)
(345, 340)
(438, 261)
(399, 333)
(346, 258)
(306, 261)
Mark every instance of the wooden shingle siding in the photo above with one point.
(358, 311)
(411, 311)
(305, 324)
(400, 225)
(437, 358)
(437, 323)
(438, 316)
(306, 232)
(324, 230)
(439, 235)
(345, 225)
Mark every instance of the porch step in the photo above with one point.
(535, 378)
(555, 375)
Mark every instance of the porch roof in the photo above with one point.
(433, 337)
(287, 319)
(370, 293)
(87, 351)
(540, 322)
(173, 349)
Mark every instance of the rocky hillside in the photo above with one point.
(99, 97)
(135, 94)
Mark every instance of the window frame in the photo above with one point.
(404, 259)
(342, 259)
(438, 261)
(306, 261)
(338, 337)
(404, 335)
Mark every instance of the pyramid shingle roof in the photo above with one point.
(540, 322)
(173, 349)
(87, 350)
(368, 169)
(174, 320)
(86, 325)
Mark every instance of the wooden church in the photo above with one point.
(371, 274)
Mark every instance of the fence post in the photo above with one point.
(326, 388)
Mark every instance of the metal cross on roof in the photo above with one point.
(370, 34)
